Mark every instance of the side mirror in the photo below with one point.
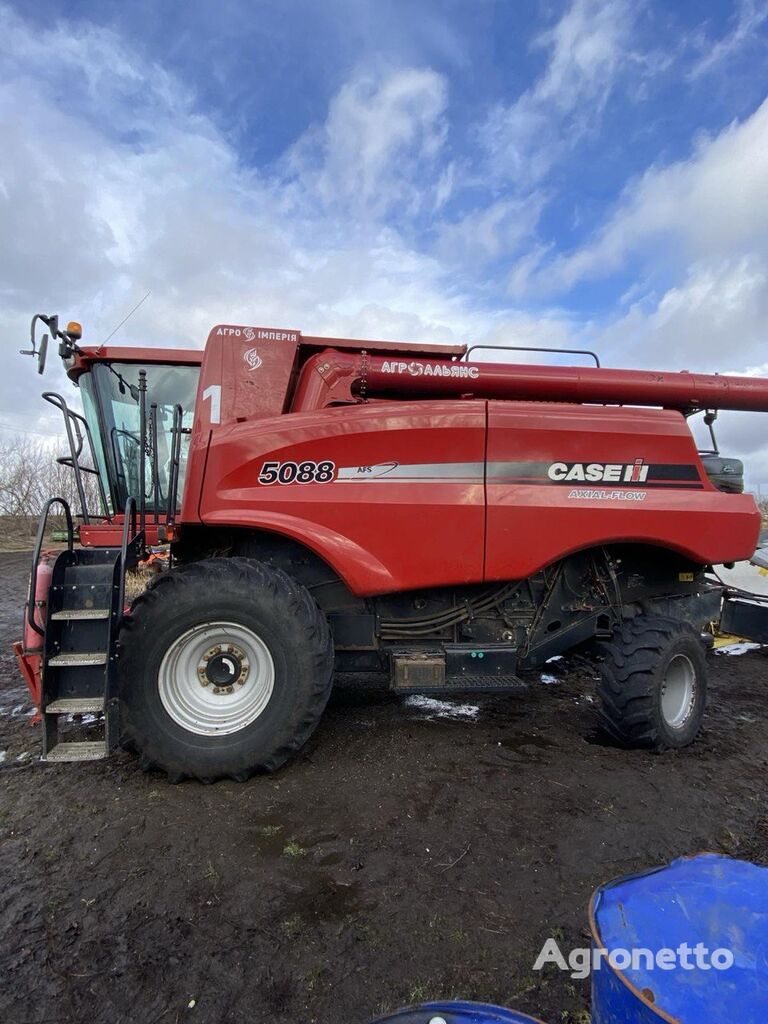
(52, 323)
(42, 353)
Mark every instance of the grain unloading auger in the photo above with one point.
(328, 376)
(382, 509)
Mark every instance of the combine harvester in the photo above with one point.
(373, 507)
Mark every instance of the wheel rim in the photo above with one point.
(216, 679)
(678, 691)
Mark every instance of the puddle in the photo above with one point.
(324, 899)
(424, 801)
(269, 836)
(431, 708)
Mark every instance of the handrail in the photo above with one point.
(175, 463)
(143, 449)
(155, 456)
(531, 348)
(130, 518)
(38, 549)
(58, 402)
(75, 451)
(114, 434)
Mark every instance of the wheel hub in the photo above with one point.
(216, 678)
(223, 666)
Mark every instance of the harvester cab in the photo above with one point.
(380, 508)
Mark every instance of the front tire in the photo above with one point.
(225, 667)
(653, 683)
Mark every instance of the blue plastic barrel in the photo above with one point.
(719, 902)
(456, 1013)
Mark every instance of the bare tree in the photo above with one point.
(30, 474)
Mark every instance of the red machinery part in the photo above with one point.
(507, 487)
(33, 641)
(338, 376)
(29, 651)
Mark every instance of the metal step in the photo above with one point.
(79, 658)
(75, 706)
(81, 613)
(91, 751)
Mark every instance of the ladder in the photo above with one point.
(85, 608)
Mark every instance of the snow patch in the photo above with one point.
(432, 708)
(738, 648)
(20, 705)
(548, 679)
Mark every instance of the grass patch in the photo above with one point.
(294, 849)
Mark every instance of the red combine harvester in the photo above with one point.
(372, 507)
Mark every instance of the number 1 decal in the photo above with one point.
(214, 393)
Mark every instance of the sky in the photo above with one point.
(584, 173)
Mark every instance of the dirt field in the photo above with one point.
(403, 855)
(17, 533)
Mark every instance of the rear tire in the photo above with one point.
(653, 683)
(225, 667)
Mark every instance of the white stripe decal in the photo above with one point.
(427, 472)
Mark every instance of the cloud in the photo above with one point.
(716, 316)
(378, 146)
(493, 232)
(711, 206)
(587, 49)
(118, 185)
(750, 16)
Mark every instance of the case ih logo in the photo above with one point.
(611, 473)
(253, 359)
(431, 369)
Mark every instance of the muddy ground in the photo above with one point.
(404, 855)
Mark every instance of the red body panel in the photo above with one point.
(110, 534)
(406, 505)
(84, 357)
(380, 532)
(533, 519)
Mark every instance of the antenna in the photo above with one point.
(126, 318)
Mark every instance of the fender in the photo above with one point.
(359, 569)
